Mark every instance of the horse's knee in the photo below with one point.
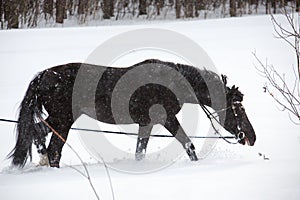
(174, 127)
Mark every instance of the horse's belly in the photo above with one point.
(101, 116)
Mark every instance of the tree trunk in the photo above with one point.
(273, 4)
(60, 11)
(108, 9)
(142, 7)
(82, 7)
(297, 5)
(189, 8)
(1, 8)
(232, 8)
(256, 3)
(35, 14)
(267, 6)
(178, 9)
(48, 7)
(11, 13)
(159, 6)
(199, 5)
(111, 8)
(1, 13)
(70, 7)
(240, 7)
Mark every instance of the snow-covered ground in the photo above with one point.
(229, 172)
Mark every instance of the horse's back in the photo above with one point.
(80, 88)
(58, 83)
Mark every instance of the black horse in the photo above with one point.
(68, 91)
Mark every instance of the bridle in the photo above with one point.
(240, 135)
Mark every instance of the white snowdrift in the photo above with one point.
(229, 172)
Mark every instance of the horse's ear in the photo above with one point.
(224, 79)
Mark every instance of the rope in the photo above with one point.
(8, 120)
(211, 116)
(135, 134)
(75, 152)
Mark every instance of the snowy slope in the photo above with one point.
(229, 172)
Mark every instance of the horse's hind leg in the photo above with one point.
(174, 127)
(40, 142)
(142, 141)
(62, 127)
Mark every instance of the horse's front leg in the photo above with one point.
(142, 141)
(174, 127)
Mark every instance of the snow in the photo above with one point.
(229, 172)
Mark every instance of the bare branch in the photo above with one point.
(292, 120)
(285, 34)
(86, 174)
(286, 96)
(278, 84)
(108, 175)
(80, 172)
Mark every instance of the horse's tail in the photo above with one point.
(27, 127)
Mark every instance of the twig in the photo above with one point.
(290, 102)
(108, 175)
(87, 174)
(284, 33)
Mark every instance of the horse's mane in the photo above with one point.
(197, 73)
(187, 71)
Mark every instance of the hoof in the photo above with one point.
(54, 159)
(44, 161)
(194, 157)
(54, 164)
(139, 156)
(190, 150)
(191, 153)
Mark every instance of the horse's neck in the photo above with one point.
(208, 87)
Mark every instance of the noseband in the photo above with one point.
(237, 105)
(211, 116)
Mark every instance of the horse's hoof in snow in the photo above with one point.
(139, 156)
(54, 164)
(192, 155)
(44, 161)
(190, 150)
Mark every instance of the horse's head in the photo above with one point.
(236, 121)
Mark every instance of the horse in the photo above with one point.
(52, 90)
